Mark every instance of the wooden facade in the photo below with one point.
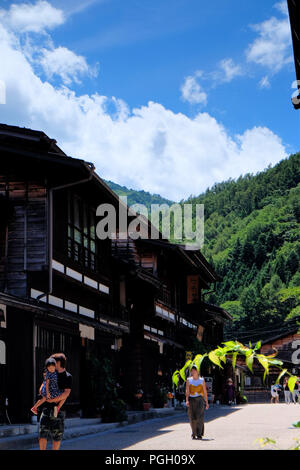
(62, 288)
(288, 347)
(166, 308)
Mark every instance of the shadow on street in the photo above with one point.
(121, 438)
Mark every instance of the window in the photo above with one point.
(52, 340)
(7, 213)
(81, 233)
(165, 313)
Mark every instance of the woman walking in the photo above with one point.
(196, 401)
(287, 393)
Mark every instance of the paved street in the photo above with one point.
(226, 428)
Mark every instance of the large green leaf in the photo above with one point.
(221, 353)
(275, 362)
(230, 344)
(264, 362)
(175, 377)
(249, 361)
(223, 358)
(186, 365)
(292, 382)
(214, 358)
(234, 356)
(284, 371)
(198, 360)
(257, 346)
(265, 374)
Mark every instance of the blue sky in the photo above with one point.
(169, 96)
(146, 48)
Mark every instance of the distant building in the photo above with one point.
(288, 346)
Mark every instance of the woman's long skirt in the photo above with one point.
(196, 415)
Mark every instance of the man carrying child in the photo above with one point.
(52, 417)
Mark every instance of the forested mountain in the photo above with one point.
(252, 238)
(137, 197)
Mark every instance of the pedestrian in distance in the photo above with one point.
(230, 392)
(287, 393)
(196, 401)
(274, 393)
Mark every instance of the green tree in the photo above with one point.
(279, 267)
(292, 264)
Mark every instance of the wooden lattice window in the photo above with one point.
(82, 233)
(6, 215)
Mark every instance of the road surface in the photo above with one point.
(234, 428)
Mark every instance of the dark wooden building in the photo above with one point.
(165, 286)
(138, 302)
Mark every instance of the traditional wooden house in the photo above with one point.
(57, 289)
(167, 310)
(288, 346)
(62, 288)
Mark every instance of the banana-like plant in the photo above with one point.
(233, 349)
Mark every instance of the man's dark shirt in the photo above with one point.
(64, 380)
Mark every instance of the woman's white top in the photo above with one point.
(196, 386)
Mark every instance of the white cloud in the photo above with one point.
(36, 18)
(272, 46)
(192, 91)
(270, 49)
(282, 7)
(265, 82)
(149, 147)
(229, 70)
(41, 53)
(72, 7)
(64, 63)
